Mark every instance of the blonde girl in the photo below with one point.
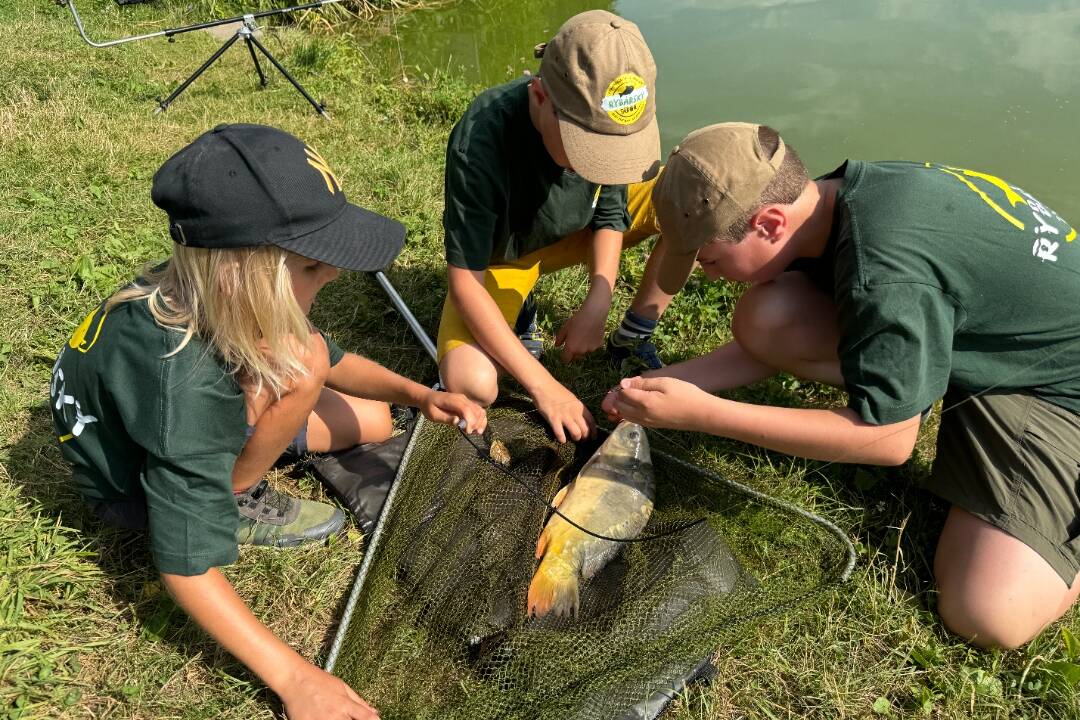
(174, 397)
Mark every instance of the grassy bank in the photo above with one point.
(85, 629)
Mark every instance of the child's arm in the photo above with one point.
(726, 367)
(564, 412)
(277, 421)
(584, 331)
(307, 692)
(836, 434)
(361, 377)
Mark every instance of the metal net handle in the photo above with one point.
(369, 551)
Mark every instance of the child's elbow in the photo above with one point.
(897, 446)
(895, 456)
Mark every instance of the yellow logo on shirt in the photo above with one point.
(1046, 224)
(79, 339)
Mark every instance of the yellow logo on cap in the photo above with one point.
(316, 161)
(625, 98)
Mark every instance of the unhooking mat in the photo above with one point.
(436, 626)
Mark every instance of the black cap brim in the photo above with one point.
(357, 239)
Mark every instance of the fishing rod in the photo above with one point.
(246, 31)
(186, 28)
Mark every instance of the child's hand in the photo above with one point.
(584, 331)
(567, 415)
(315, 694)
(450, 408)
(656, 402)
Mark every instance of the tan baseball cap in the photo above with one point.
(712, 178)
(601, 78)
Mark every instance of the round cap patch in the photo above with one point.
(624, 100)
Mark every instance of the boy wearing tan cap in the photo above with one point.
(900, 283)
(536, 176)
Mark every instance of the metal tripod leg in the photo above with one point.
(163, 105)
(255, 59)
(319, 107)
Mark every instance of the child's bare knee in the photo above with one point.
(761, 316)
(380, 425)
(469, 371)
(985, 620)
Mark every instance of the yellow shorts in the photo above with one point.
(510, 284)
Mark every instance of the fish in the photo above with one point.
(499, 452)
(613, 495)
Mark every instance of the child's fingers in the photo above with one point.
(557, 428)
(590, 422)
(631, 399)
(657, 384)
(560, 337)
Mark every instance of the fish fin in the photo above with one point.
(541, 544)
(560, 496)
(554, 588)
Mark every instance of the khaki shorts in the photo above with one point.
(1013, 460)
(511, 283)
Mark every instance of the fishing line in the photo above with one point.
(486, 456)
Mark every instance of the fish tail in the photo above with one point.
(554, 588)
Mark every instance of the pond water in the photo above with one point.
(984, 84)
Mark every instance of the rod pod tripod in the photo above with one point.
(245, 32)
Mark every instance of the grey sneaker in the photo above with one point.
(268, 517)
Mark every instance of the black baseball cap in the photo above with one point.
(251, 185)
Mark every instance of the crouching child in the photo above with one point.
(175, 396)
(900, 283)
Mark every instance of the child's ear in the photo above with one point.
(769, 222)
(536, 89)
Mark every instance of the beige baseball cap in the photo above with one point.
(601, 78)
(712, 178)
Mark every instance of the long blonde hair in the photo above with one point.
(240, 301)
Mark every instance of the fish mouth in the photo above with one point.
(632, 439)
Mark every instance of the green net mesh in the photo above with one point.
(437, 628)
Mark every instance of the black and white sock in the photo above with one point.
(633, 330)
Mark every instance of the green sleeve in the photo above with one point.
(611, 211)
(895, 349)
(335, 351)
(472, 194)
(191, 512)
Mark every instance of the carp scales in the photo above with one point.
(612, 496)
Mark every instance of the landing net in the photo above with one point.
(436, 624)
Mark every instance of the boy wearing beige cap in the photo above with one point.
(536, 181)
(900, 283)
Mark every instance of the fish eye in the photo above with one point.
(633, 435)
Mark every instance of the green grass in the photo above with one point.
(85, 629)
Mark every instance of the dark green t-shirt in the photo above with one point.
(504, 195)
(945, 276)
(134, 423)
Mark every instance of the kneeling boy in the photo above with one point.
(536, 174)
(900, 283)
